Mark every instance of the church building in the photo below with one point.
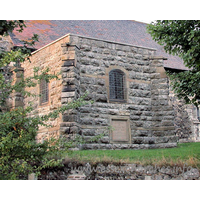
(124, 73)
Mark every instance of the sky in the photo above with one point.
(100, 10)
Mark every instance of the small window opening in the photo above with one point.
(44, 91)
(116, 85)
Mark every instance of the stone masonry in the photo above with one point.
(151, 115)
(49, 56)
(147, 112)
(116, 171)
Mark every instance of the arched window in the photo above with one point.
(44, 92)
(117, 85)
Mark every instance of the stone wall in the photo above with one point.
(152, 112)
(185, 120)
(114, 171)
(85, 63)
(50, 56)
(9, 75)
(70, 87)
(147, 109)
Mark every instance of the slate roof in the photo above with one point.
(122, 31)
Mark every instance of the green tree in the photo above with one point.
(182, 38)
(20, 154)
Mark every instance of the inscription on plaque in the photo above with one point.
(120, 130)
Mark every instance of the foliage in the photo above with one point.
(181, 37)
(186, 86)
(20, 53)
(7, 26)
(20, 153)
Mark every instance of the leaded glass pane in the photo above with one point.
(116, 84)
(44, 91)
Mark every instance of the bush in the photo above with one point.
(20, 153)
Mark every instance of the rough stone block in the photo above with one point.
(101, 98)
(85, 61)
(85, 47)
(67, 94)
(69, 118)
(69, 88)
(137, 140)
(65, 130)
(69, 56)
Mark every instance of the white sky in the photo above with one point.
(100, 10)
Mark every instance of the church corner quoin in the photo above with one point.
(127, 83)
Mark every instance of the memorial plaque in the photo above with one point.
(120, 130)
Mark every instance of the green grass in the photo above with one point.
(187, 153)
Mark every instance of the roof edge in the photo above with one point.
(87, 37)
(50, 43)
(110, 41)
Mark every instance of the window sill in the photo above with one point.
(44, 104)
(117, 101)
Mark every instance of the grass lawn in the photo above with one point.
(186, 153)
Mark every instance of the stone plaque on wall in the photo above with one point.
(120, 132)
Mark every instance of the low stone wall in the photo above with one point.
(116, 171)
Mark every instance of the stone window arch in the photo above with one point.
(117, 89)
